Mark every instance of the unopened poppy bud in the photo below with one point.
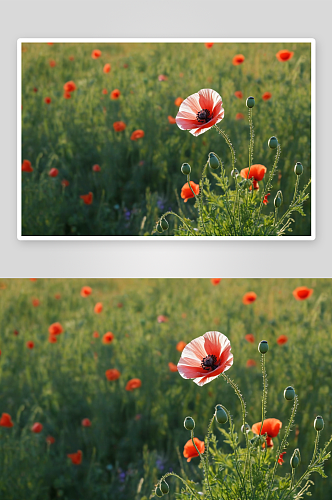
(278, 199)
(298, 169)
(234, 172)
(164, 487)
(164, 224)
(250, 102)
(213, 161)
(289, 393)
(159, 228)
(263, 347)
(158, 491)
(319, 423)
(189, 423)
(273, 142)
(245, 428)
(221, 415)
(186, 169)
(295, 459)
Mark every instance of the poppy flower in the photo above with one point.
(215, 281)
(57, 296)
(65, 183)
(86, 291)
(119, 304)
(137, 134)
(162, 78)
(125, 65)
(284, 55)
(265, 201)
(69, 86)
(32, 279)
(119, 126)
(6, 420)
(257, 172)
(178, 101)
(249, 297)
(112, 374)
(238, 59)
(200, 111)
(205, 358)
(250, 338)
(16, 332)
(133, 384)
(52, 339)
(239, 116)
(49, 43)
(37, 428)
(238, 94)
(47, 100)
(162, 319)
(35, 302)
(181, 75)
(208, 45)
(86, 422)
(71, 58)
(282, 339)
(26, 166)
(95, 335)
(280, 459)
(302, 292)
(87, 198)
(30, 344)
(55, 329)
(53, 172)
(250, 363)
(76, 458)
(171, 120)
(172, 367)
(271, 427)
(67, 95)
(190, 451)
(108, 337)
(187, 193)
(107, 68)
(52, 63)
(115, 94)
(180, 346)
(184, 315)
(35, 89)
(98, 308)
(266, 96)
(50, 440)
(105, 91)
(96, 54)
(96, 168)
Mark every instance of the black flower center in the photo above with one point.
(203, 116)
(209, 363)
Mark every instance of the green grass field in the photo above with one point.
(139, 180)
(139, 434)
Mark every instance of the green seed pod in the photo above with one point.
(189, 423)
(263, 347)
(298, 169)
(158, 491)
(250, 102)
(221, 415)
(159, 228)
(319, 423)
(213, 161)
(186, 169)
(245, 428)
(295, 459)
(164, 487)
(278, 199)
(164, 224)
(234, 172)
(289, 393)
(273, 142)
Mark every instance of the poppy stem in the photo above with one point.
(193, 492)
(200, 211)
(183, 222)
(230, 145)
(206, 471)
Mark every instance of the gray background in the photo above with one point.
(159, 18)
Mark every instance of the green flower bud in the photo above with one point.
(213, 161)
(250, 102)
(278, 199)
(289, 393)
(164, 487)
(159, 228)
(298, 169)
(273, 142)
(221, 415)
(164, 224)
(263, 347)
(245, 428)
(234, 172)
(158, 491)
(186, 169)
(189, 423)
(319, 423)
(295, 459)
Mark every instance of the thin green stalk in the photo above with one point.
(193, 492)
(230, 145)
(183, 222)
(204, 465)
(200, 212)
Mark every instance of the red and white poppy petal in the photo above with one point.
(215, 373)
(215, 343)
(208, 99)
(185, 124)
(194, 350)
(191, 105)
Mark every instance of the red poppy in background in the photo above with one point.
(271, 427)
(172, 367)
(6, 420)
(284, 55)
(112, 374)
(171, 120)
(35, 89)
(249, 297)
(137, 134)
(96, 54)
(50, 440)
(86, 291)
(37, 427)
(187, 193)
(215, 281)
(107, 68)
(282, 339)
(239, 116)
(238, 59)
(266, 96)
(57, 296)
(162, 319)
(250, 363)
(49, 43)
(250, 338)
(184, 315)
(96, 168)
(98, 308)
(119, 126)
(69, 86)
(119, 304)
(280, 459)
(26, 166)
(35, 302)
(265, 201)
(257, 172)
(55, 329)
(200, 111)
(65, 183)
(47, 100)
(52, 339)
(115, 94)
(95, 335)
(302, 292)
(76, 458)
(178, 101)
(67, 95)
(205, 358)
(52, 63)
(87, 198)
(190, 451)
(71, 58)
(54, 172)
(133, 384)
(208, 45)
(32, 279)
(16, 332)
(30, 344)
(238, 94)
(162, 78)
(180, 346)
(108, 338)
(86, 422)
(105, 91)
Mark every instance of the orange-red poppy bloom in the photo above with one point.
(172, 367)
(249, 297)
(35, 89)
(250, 363)
(302, 292)
(107, 68)
(208, 45)
(238, 59)
(26, 166)
(52, 63)
(65, 183)
(284, 55)
(55, 329)
(50, 440)
(108, 338)
(178, 101)
(266, 96)
(119, 126)
(205, 358)
(52, 339)
(98, 308)
(190, 451)
(187, 193)
(32, 279)
(137, 134)
(95, 335)
(57, 296)
(115, 94)
(250, 338)
(69, 86)
(162, 78)
(67, 95)
(96, 168)
(37, 427)
(265, 201)
(16, 332)
(86, 291)
(76, 458)
(119, 304)
(200, 111)
(47, 100)
(180, 346)
(49, 43)
(271, 427)
(96, 54)
(162, 319)
(87, 198)
(6, 420)
(280, 459)
(71, 58)
(86, 422)
(257, 172)
(30, 344)
(133, 384)
(105, 91)
(239, 116)
(35, 302)
(54, 172)
(215, 281)
(238, 94)
(112, 374)
(171, 120)
(282, 339)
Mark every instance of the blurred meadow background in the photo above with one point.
(88, 369)
(87, 170)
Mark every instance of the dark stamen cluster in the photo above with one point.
(209, 362)
(203, 116)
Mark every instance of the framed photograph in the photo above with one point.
(172, 138)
